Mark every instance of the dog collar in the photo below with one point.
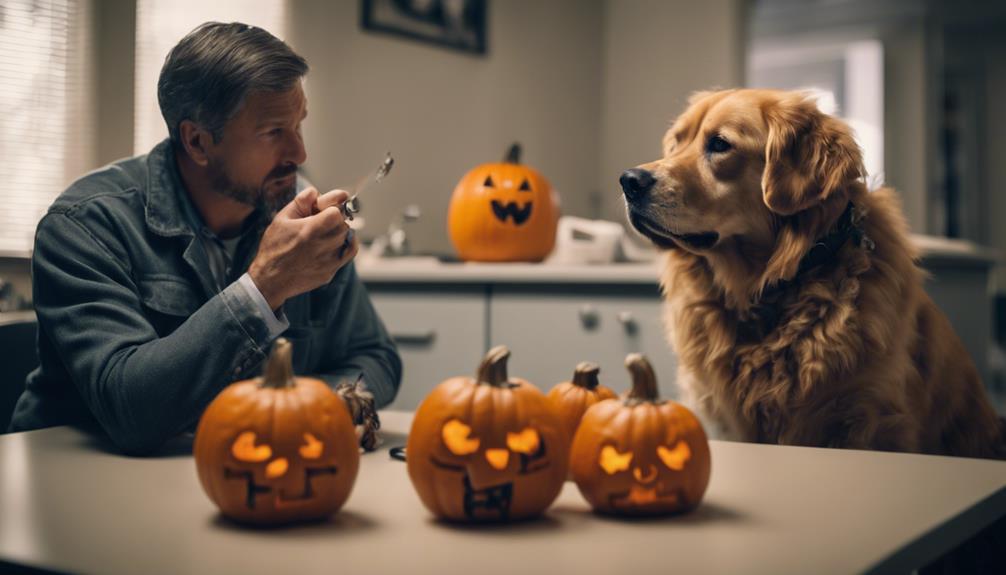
(849, 225)
(765, 314)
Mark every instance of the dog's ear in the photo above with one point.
(808, 155)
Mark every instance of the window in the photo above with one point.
(160, 24)
(45, 95)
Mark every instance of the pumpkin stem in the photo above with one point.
(492, 370)
(513, 154)
(644, 380)
(279, 368)
(585, 375)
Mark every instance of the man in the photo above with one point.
(162, 278)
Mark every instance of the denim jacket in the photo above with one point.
(135, 336)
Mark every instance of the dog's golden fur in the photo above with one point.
(860, 356)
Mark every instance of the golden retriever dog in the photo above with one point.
(792, 295)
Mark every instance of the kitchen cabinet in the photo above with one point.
(444, 316)
(440, 331)
(549, 330)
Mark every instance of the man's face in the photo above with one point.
(255, 161)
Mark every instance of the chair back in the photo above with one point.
(18, 357)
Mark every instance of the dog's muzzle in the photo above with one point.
(636, 184)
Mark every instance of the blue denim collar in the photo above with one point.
(166, 196)
(170, 211)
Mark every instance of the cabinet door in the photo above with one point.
(962, 292)
(440, 332)
(548, 333)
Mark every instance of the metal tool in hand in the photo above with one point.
(350, 207)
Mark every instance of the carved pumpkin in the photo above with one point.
(640, 455)
(488, 448)
(278, 448)
(503, 213)
(572, 398)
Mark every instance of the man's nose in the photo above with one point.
(296, 151)
(636, 183)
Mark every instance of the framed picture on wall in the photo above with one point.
(456, 24)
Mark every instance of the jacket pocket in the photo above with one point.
(168, 301)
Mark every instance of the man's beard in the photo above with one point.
(256, 196)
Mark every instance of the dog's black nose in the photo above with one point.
(636, 183)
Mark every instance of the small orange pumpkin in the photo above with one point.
(640, 455)
(487, 449)
(571, 399)
(277, 449)
(503, 213)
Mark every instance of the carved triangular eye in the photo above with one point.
(489, 182)
(524, 186)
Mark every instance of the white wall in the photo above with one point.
(115, 38)
(587, 86)
(442, 112)
(656, 53)
(909, 126)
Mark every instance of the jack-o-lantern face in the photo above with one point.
(271, 453)
(518, 209)
(640, 456)
(503, 212)
(487, 449)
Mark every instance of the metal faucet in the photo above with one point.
(395, 243)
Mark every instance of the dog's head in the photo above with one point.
(759, 168)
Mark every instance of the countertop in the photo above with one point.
(933, 251)
(67, 504)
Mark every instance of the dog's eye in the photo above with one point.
(717, 145)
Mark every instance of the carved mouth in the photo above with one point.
(446, 466)
(666, 239)
(502, 211)
(640, 495)
(489, 503)
(281, 500)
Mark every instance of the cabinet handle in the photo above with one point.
(589, 317)
(414, 337)
(628, 321)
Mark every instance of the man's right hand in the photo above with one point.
(302, 248)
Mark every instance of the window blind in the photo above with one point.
(45, 97)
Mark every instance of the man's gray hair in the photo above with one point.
(208, 75)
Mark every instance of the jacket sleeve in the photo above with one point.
(141, 388)
(359, 345)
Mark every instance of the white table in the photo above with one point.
(67, 504)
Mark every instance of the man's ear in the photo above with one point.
(808, 155)
(196, 141)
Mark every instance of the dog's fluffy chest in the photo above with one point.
(752, 382)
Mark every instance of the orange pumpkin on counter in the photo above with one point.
(503, 212)
(640, 455)
(277, 449)
(571, 399)
(487, 449)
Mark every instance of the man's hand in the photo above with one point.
(307, 242)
